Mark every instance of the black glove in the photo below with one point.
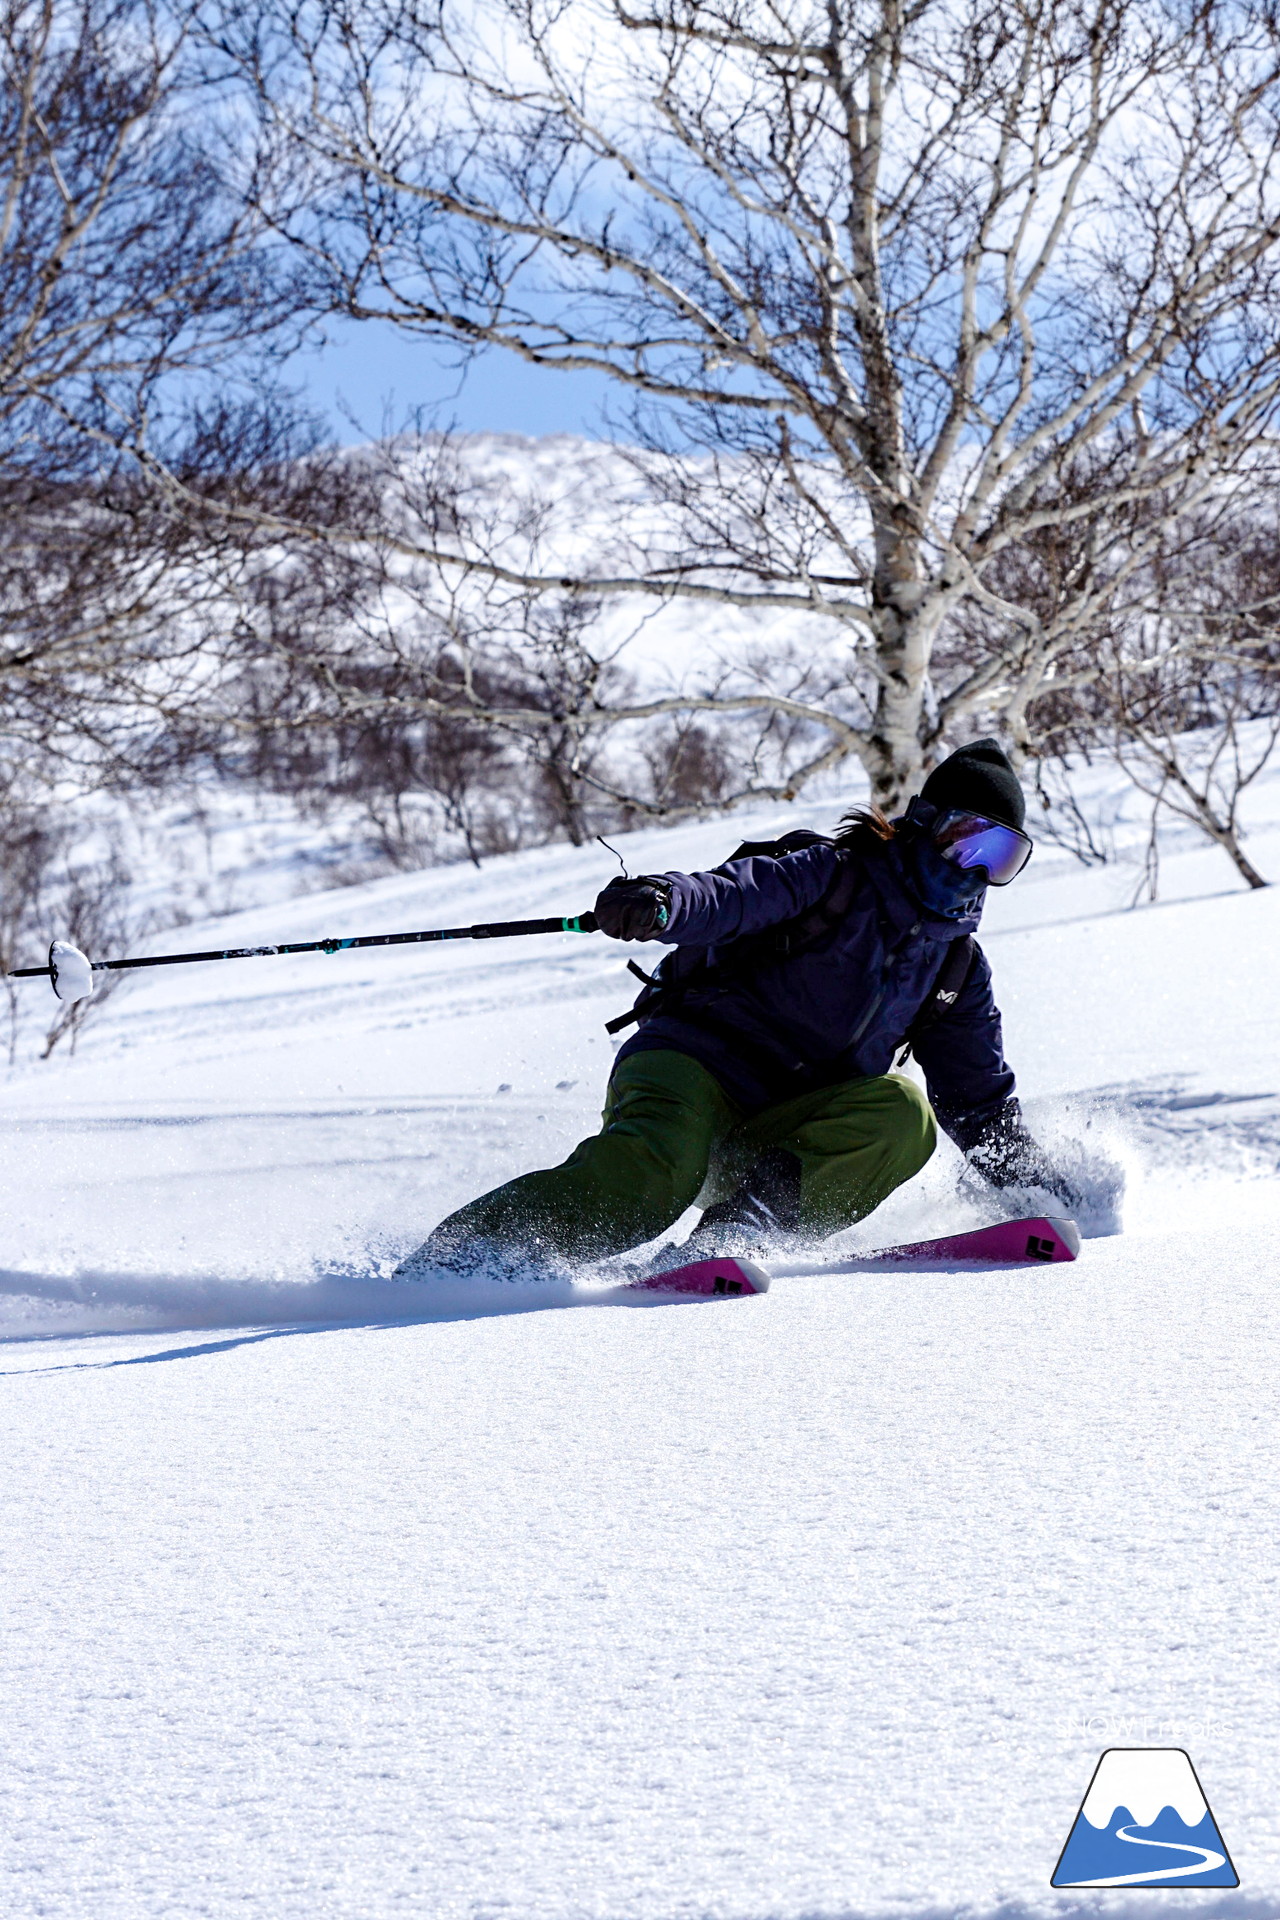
(636, 909)
(1007, 1155)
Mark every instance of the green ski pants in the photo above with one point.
(671, 1136)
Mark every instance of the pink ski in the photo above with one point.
(1035, 1242)
(709, 1277)
(1013, 1240)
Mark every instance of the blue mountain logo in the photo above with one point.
(1144, 1822)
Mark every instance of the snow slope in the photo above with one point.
(338, 1598)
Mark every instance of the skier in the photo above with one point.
(760, 1079)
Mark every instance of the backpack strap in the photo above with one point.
(794, 842)
(958, 960)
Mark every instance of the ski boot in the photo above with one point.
(760, 1217)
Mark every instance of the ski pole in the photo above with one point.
(68, 959)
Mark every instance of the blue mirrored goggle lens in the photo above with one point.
(968, 841)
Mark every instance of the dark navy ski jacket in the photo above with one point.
(840, 1008)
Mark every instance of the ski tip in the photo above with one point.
(1069, 1234)
(755, 1273)
(712, 1279)
(1045, 1239)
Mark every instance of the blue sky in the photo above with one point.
(372, 369)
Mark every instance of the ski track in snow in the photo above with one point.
(329, 1596)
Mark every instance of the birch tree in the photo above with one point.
(1183, 690)
(131, 279)
(886, 288)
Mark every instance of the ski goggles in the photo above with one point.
(970, 840)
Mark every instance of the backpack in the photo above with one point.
(790, 937)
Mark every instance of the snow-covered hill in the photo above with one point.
(326, 1597)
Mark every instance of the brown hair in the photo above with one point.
(861, 824)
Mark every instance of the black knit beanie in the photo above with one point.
(978, 779)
